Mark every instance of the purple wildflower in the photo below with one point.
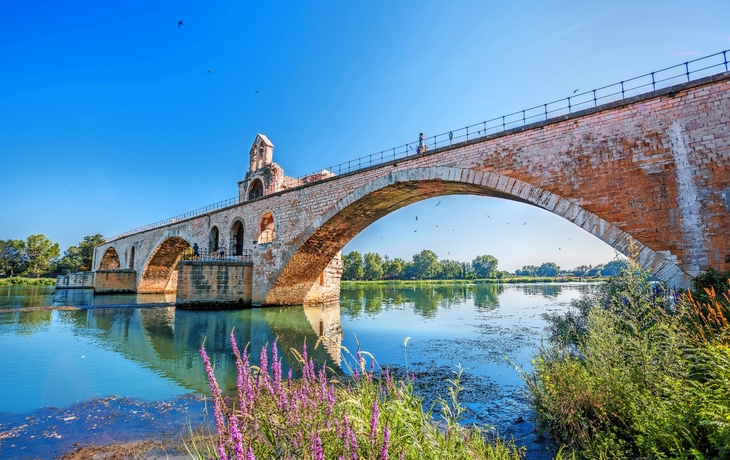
(236, 438)
(249, 454)
(386, 439)
(220, 422)
(374, 423)
(318, 452)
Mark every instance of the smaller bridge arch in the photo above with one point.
(110, 260)
(159, 275)
(237, 237)
(213, 239)
(266, 228)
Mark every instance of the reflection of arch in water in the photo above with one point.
(159, 274)
(110, 260)
(168, 340)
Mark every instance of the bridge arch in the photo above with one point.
(159, 274)
(308, 255)
(237, 237)
(110, 260)
(213, 239)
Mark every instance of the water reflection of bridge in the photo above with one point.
(167, 340)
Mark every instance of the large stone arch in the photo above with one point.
(303, 261)
(110, 260)
(159, 274)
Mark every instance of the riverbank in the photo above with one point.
(22, 281)
(512, 280)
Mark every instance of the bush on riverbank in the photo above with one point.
(316, 417)
(513, 280)
(635, 371)
(20, 281)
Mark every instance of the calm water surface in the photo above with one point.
(130, 355)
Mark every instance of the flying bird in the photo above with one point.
(488, 216)
(180, 23)
(525, 223)
(256, 90)
(575, 91)
(210, 71)
(438, 203)
(416, 217)
(559, 249)
(415, 231)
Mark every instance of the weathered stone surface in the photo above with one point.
(114, 281)
(649, 173)
(220, 284)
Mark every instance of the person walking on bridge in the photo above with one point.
(196, 251)
(422, 147)
(223, 250)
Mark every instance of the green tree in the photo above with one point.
(13, 259)
(373, 269)
(86, 250)
(70, 262)
(527, 270)
(581, 270)
(426, 265)
(451, 269)
(485, 266)
(614, 267)
(40, 252)
(394, 268)
(548, 269)
(352, 266)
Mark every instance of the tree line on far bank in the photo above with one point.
(426, 265)
(38, 256)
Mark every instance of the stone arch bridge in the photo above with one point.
(651, 171)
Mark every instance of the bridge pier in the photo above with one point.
(219, 284)
(115, 281)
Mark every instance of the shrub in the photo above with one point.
(636, 371)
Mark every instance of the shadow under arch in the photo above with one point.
(110, 260)
(159, 275)
(315, 247)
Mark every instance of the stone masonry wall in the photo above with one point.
(652, 172)
(80, 280)
(213, 284)
(109, 281)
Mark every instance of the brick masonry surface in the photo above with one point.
(109, 281)
(647, 175)
(201, 284)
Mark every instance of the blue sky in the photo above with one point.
(109, 118)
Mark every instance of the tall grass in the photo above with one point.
(370, 416)
(636, 371)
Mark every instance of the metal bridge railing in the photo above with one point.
(659, 79)
(215, 256)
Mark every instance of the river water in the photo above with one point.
(126, 367)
